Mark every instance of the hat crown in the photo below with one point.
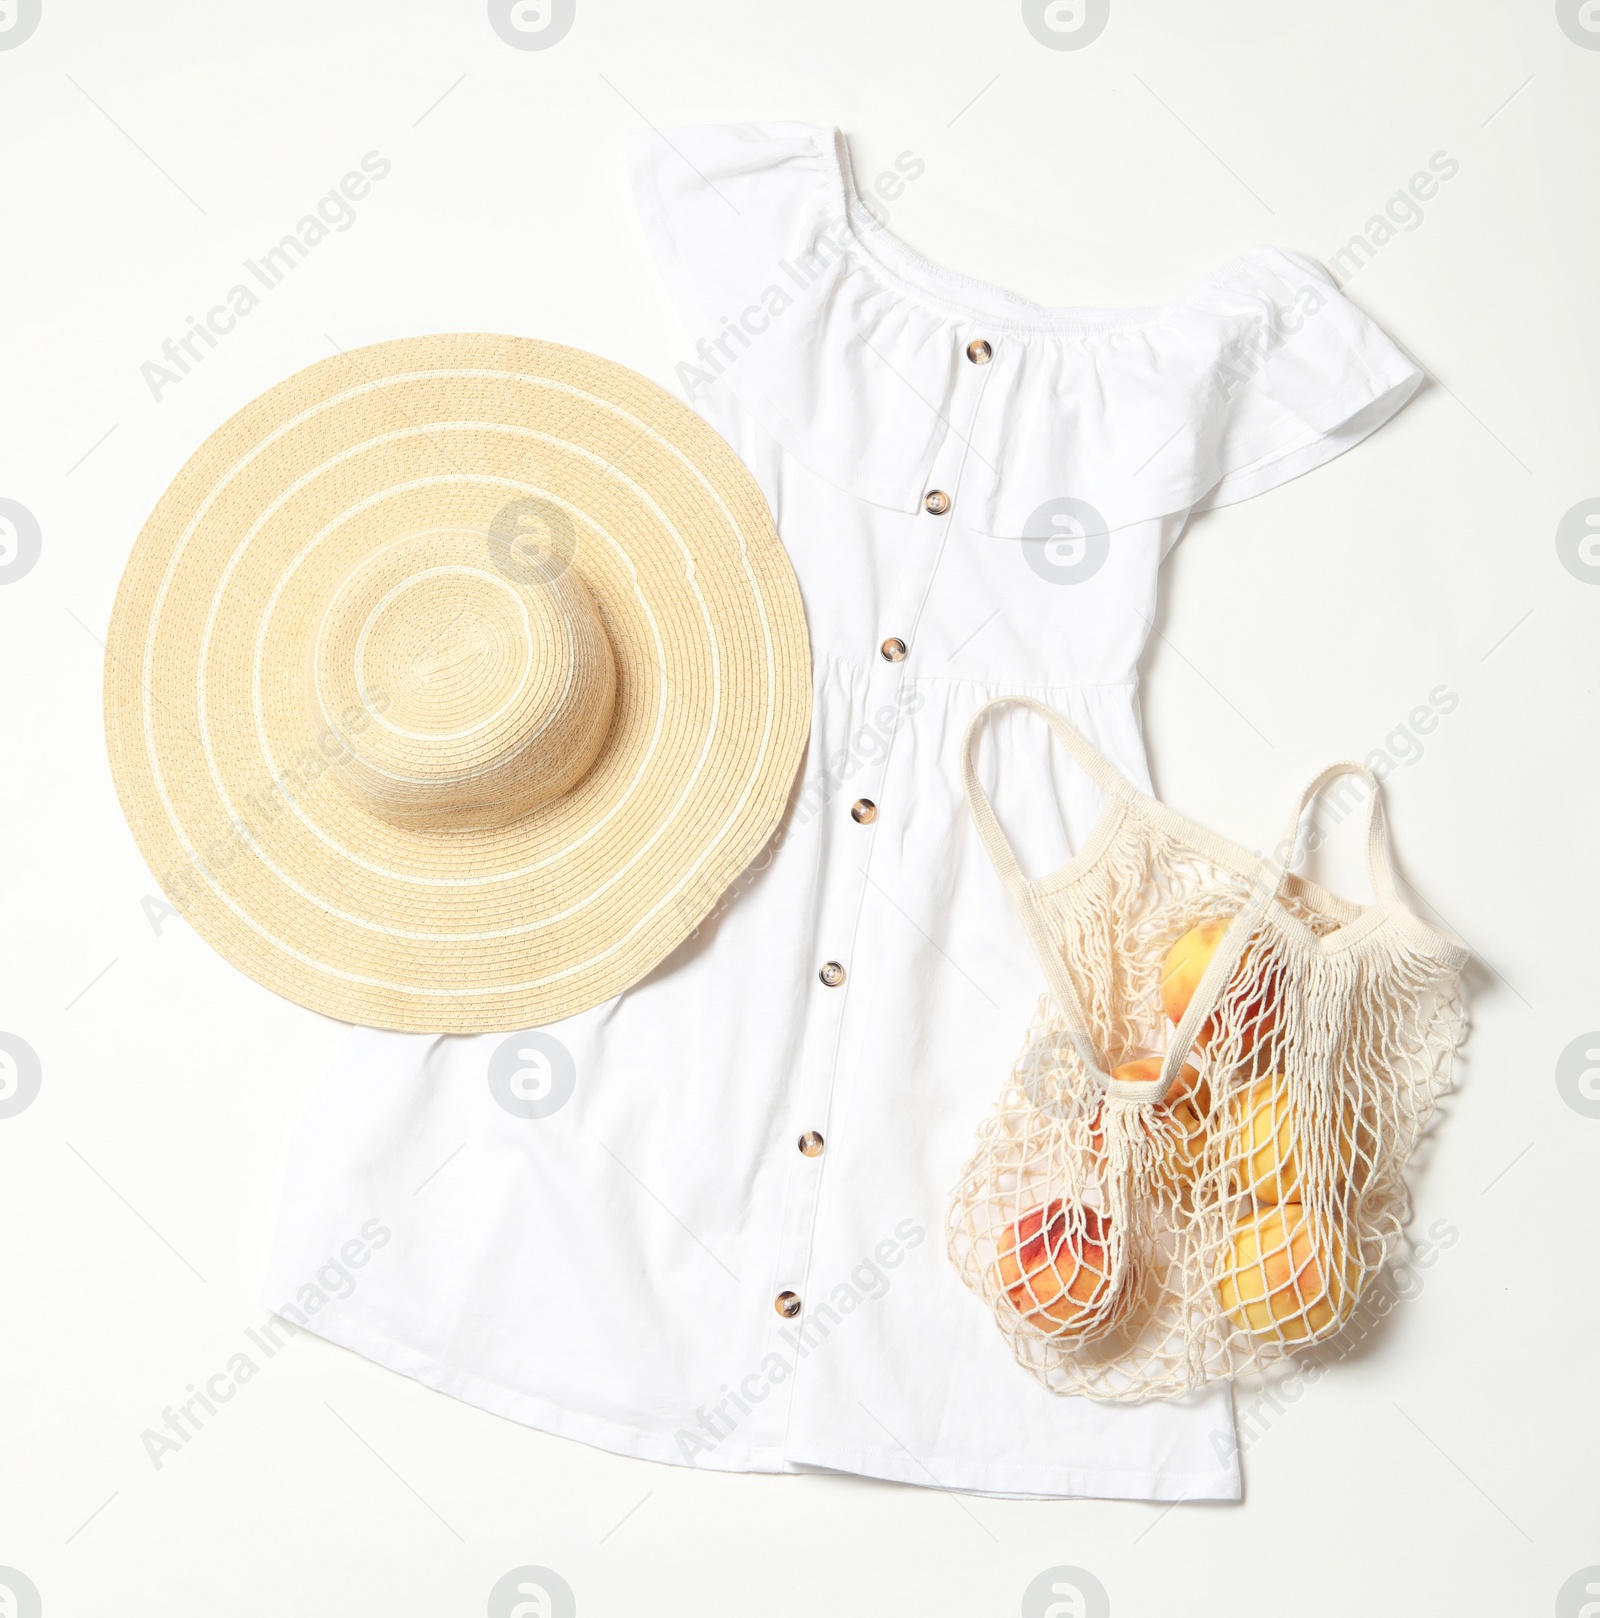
(459, 683)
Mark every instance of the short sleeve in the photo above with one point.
(1306, 379)
(1261, 373)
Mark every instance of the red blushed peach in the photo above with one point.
(1055, 1266)
(1186, 964)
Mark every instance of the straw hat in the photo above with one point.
(453, 680)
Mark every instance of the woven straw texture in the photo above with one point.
(453, 679)
(1196, 1169)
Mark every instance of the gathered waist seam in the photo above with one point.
(1007, 685)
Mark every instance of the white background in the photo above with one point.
(147, 150)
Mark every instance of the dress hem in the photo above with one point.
(940, 1472)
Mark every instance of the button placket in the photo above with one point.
(842, 893)
(938, 500)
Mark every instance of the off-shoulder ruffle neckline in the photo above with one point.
(963, 299)
(850, 349)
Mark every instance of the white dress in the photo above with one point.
(704, 1223)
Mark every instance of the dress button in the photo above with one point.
(863, 811)
(979, 352)
(893, 650)
(787, 1304)
(811, 1143)
(936, 502)
(832, 974)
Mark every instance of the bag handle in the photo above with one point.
(1269, 878)
(1105, 775)
(1219, 970)
(1380, 862)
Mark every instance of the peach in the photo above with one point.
(1057, 1266)
(1265, 1142)
(1188, 1101)
(1279, 1285)
(1186, 964)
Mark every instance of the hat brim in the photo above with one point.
(237, 801)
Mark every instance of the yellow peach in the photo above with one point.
(1264, 1144)
(1281, 1286)
(1186, 964)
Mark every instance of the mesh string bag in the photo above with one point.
(1197, 1164)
